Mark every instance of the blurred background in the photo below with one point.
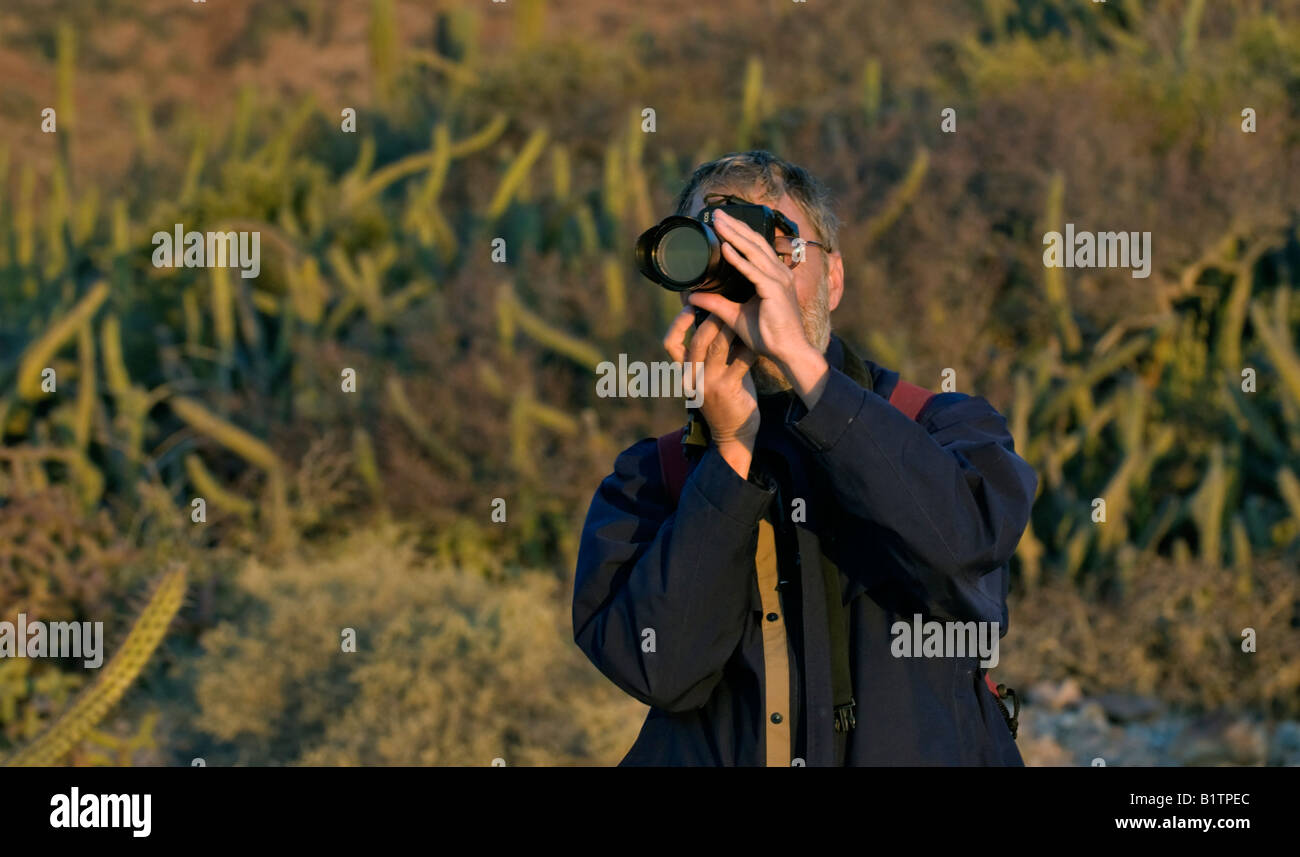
(372, 510)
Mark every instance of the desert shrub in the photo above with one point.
(449, 669)
(1175, 634)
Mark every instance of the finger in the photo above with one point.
(703, 337)
(720, 307)
(750, 244)
(715, 358)
(767, 281)
(675, 338)
(739, 317)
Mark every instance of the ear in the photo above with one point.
(835, 275)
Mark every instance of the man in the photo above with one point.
(862, 515)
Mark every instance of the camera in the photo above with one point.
(684, 253)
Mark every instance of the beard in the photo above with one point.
(768, 377)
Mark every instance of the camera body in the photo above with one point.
(684, 254)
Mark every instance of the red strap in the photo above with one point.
(988, 679)
(909, 398)
(672, 463)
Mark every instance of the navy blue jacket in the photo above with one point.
(919, 516)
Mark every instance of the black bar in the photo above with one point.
(330, 806)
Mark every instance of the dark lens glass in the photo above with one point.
(683, 253)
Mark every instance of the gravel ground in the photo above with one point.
(1060, 726)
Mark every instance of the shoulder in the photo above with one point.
(640, 460)
(941, 409)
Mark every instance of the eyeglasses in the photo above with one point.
(789, 249)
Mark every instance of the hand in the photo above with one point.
(770, 323)
(730, 403)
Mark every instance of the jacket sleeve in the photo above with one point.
(685, 575)
(948, 494)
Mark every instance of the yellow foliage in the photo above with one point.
(449, 668)
(117, 675)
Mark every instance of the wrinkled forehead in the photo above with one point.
(783, 204)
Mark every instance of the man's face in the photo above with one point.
(819, 283)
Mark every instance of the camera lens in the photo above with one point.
(683, 253)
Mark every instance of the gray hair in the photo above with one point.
(774, 176)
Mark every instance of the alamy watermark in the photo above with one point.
(131, 811)
(656, 379)
(917, 639)
(181, 249)
(53, 640)
(1099, 250)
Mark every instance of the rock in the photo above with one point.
(1093, 716)
(1247, 742)
(1220, 740)
(1285, 746)
(1043, 752)
(1129, 707)
(1056, 696)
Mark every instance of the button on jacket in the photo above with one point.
(919, 516)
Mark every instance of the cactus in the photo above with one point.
(514, 176)
(871, 90)
(615, 296)
(579, 351)
(456, 72)
(132, 402)
(436, 160)
(223, 312)
(230, 436)
(1276, 341)
(116, 676)
(85, 385)
(25, 222)
(439, 450)
(363, 457)
(65, 76)
(384, 50)
(1209, 504)
(530, 21)
(525, 412)
(1190, 27)
(561, 172)
(1234, 318)
(194, 170)
(481, 139)
(614, 194)
(750, 103)
(212, 491)
(590, 241)
(899, 198)
(1053, 278)
(1241, 556)
(40, 353)
(56, 222)
(307, 291)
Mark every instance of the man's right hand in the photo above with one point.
(730, 404)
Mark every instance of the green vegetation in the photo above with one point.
(476, 380)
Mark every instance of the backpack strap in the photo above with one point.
(910, 399)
